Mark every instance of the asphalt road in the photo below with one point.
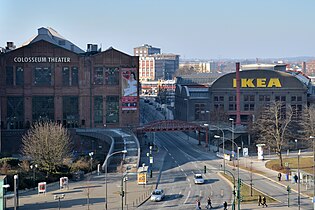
(181, 161)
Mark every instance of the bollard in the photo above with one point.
(222, 192)
(133, 204)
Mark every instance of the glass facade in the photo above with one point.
(9, 75)
(65, 76)
(200, 111)
(98, 109)
(19, 76)
(42, 76)
(112, 109)
(107, 76)
(70, 111)
(15, 112)
(74, 76)
(70, 78)
(112, 76)
(98, 76)
(43, 108)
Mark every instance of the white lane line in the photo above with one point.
(170, 154)
(181, 169)
(187, 197)
(189, 181)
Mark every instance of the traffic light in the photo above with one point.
(241, 182)
(205, 169)
(122, 193)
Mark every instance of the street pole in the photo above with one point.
(232, 121)
(122, 193)
(186, 99)
(299, 190)
(312, 137)
(125, 194)
(238, 178)
(16, 206)
(105, 165)
(223, 142)
(251, 178)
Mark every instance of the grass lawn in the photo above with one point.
(246, 192)
(306, 164)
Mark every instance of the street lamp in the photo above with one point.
(299, 181)
(296, 146)
(91, 156)
(312, 137)
(33, 167)
(16, 198)
(105, 167)
(232, 122)
(238, 172)
(57, 197)
(223, 140)
(186, 99)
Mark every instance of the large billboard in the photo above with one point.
(129, 89)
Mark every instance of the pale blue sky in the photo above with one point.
(207, 29)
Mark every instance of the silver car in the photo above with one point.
(198, 179)
(157, 195)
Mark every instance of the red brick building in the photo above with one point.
(44, 81)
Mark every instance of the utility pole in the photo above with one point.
(251, 179)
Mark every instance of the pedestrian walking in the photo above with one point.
(259, 200)
(264, 202)
(279, 177)
(225, 205)
(296, 178)
(198, 204)
(209, 203)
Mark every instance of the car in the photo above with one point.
(198, 179)
(157, 195)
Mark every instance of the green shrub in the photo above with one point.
(82, 164)
(10, 161)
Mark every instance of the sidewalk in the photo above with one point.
(260, 167)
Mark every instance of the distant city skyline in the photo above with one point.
(201, 29)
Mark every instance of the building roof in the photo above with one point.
(50, 35)
(146, 46)
(259, 66)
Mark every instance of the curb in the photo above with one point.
(279, 183)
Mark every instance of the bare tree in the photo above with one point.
(47, 144)
(219, 116)
(308, 120)
(272, 126)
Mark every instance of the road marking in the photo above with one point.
(170, 154)
(189, 181)
(187, 197)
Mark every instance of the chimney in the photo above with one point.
(91, 48)
(10, 46)
(304, 67)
